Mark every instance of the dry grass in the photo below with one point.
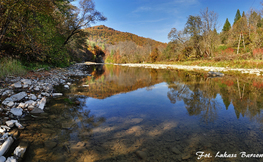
(10, 67)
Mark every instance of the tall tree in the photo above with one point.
(226, 26)
(193, 27)
(237, 17)
(243, 14)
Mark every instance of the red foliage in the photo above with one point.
(229, 50)
(258, 53)
(258, 84)
(227, 82)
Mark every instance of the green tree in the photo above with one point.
(193, 27)
(237, 17)
(243, 14)
(226, 26)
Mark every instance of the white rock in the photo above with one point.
(18, 96)
(11, 159)
(29, 102)
(25, 86)
(31, 107)
(26, 81)
(10, 123)
(66, 86)
(5, 146)
(36, 88)
(17, 111)
(42, 103)
(57, 94)
(2, 159)
(17, 85)
(10, 104)
(39, 96)
(19, 151)
(22, 105)
(7, 92)
(32, 97)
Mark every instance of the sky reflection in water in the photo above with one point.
(131, 114)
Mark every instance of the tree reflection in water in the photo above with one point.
(195, 101)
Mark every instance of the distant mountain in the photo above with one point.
(106, 35)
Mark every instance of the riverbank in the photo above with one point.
(23, 99)
(255, 71)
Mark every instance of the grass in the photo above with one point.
(36, 66)
(247, 64)
(11, 67)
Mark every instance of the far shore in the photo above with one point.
(255, 71)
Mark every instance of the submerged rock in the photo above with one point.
(175, 150)
(50, 144)
(141, 154)
(57, 94)
(36, 111)
(215, 74)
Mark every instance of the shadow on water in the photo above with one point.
(138, 114)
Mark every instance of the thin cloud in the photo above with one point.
(142, 9)
(152, 21)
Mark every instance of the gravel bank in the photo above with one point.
(257, 72)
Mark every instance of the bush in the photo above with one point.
(257, 53)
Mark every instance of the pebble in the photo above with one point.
(141, 154)
(175, 150)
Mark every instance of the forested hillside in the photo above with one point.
(123, 47)
(104, 34)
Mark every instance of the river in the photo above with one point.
(142, 114)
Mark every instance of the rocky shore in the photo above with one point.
(257, 72)
(27, 95)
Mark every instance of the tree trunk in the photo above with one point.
(243, 41)
(238, 44)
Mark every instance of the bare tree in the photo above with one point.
(81, 17)
(179, 36)
(209, 27)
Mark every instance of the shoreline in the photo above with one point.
(257, 72)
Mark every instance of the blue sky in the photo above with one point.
(155, 18)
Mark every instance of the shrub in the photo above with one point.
(257, 53)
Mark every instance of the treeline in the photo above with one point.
(200, 40)
(46, 31)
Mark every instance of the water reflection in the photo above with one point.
(131, 114)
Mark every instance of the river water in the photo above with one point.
(139, 114)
